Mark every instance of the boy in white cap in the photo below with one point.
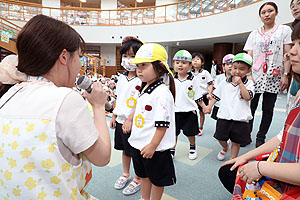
(227, 65)
(188, 94)
(234, 94)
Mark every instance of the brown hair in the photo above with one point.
(161, 70)
(41, 41)
(268, 3)
(296, 36)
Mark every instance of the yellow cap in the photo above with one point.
(151, 52)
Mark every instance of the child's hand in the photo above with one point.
(209, 96)
(148, 151)
(127, 126)
(206, 110)
(112, 124)
(237, 80)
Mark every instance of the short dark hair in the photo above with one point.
(41, 41)
(249, 66)
(269, 3)
(134, 44)
(200, 56)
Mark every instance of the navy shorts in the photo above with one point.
(121, 140)
(205, 100)
(159, 169)
(187, 122)
(237, 131)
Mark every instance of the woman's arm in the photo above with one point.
(284, 81)
(99, 153)
(267, 147)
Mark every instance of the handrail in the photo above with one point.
(180, 11)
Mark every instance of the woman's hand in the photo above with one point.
(249, 172)
(236, 162)
(284, 83)
(97, 97)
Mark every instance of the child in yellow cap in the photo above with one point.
(153, 130)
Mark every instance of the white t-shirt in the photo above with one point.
(258, 43)
(232, 106)
(155, 108)
(127, 95)
(188, 92)
(204, 79)
(217, 81)
(75, 127)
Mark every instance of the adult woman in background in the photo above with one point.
(48, 137)
(267, 46)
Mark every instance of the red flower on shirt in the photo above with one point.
(203, 77)
(137, 87)
(190, 88)
(148, 107)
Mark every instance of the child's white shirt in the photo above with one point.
(188, 92)
(217, 81)
(204, 79)
(127, 95)
(232, 106)
(155, 108)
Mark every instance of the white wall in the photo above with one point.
(108, 52)
(51, 4)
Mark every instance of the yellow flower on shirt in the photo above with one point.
(5, 129)
(1, 183)
(51, 148)
(55, 180)
(26, 153)
(29, 167)
(16, 131)
(65, 167)
(30, 127)
(30, 183)
(48, 163)
(7, 175)
(73, 175)
(14, 145)
(12, 163)
(74, 193)
(43, 137)
(1, 152)
(46, 121)
(16, 192)
(57, 193)
(42, 195)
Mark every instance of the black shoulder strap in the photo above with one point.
(10, 97)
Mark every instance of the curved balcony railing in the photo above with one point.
(184, 10)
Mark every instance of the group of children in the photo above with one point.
(149, 115)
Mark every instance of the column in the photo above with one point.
(109, 5)
(109, 54)
(220, 50)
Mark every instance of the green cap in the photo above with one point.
(183, 55)
(243, 57)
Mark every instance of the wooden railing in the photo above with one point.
(184, 10)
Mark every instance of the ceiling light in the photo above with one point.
(82, 1)
(139, 1)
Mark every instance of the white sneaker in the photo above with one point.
(121, 182)
(132, 188)
(221, 154)
(193, 154)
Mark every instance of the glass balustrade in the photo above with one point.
(183, 10)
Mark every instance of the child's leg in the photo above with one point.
(146, 188)
(235, 148)
(126, 164)
(192, 140)
(202, 119)
(224, 144)
(157, 192)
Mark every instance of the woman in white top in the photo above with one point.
(48, 136)
(267, 46)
